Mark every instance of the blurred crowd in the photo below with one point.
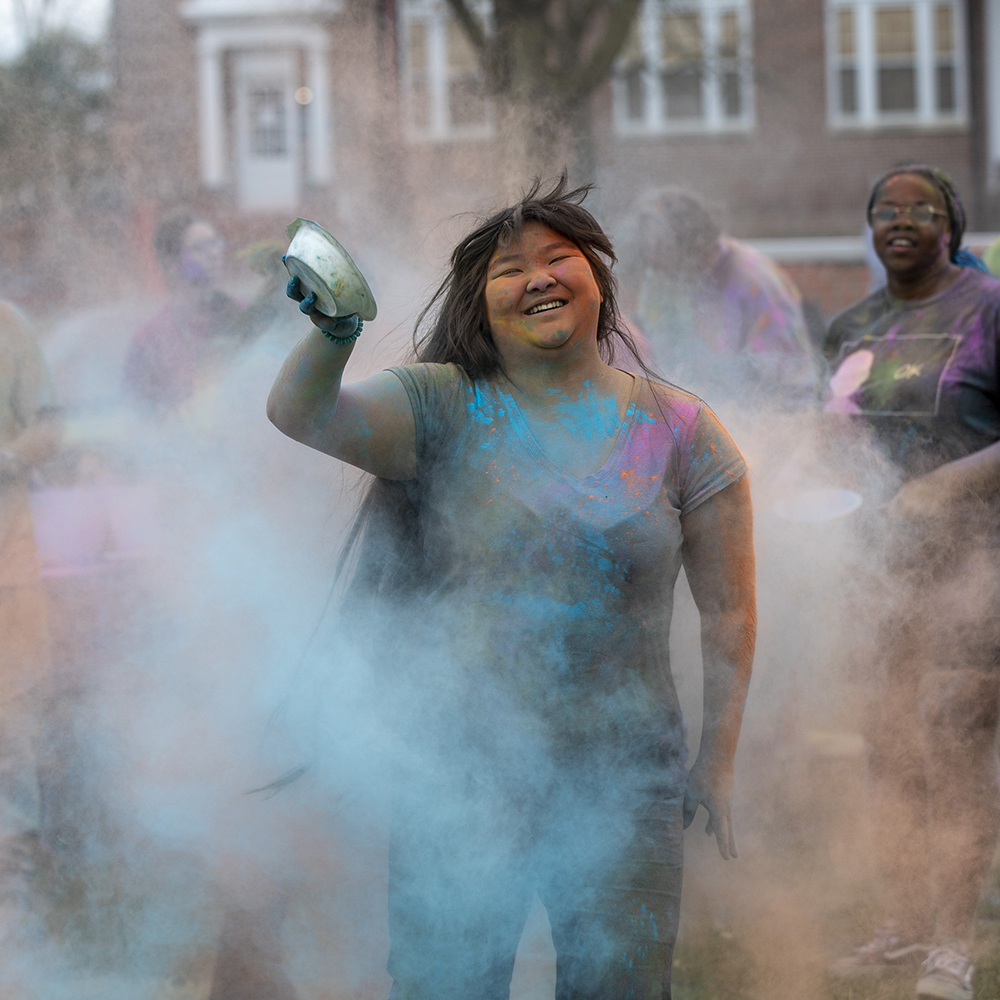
(149, 515)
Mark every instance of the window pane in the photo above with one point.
(682, 93)
(681, 39)
(417, 47)
(632, 53)
(635, 95)
(729, 36)
(732, 95)
(845, 33)
(946, 89)
(894, 31)
(897, 88)
(461, 54)
(848, 91)
(267, 121)
(944, 31)
(467, 102)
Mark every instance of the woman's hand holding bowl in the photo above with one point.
(338, 326)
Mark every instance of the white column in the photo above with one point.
(650, 40)
(926, 62)
(866, 57)
(437, 67)
(749, 95)
(319, 130)
(992, 55)
(711, 81)
(211, 113)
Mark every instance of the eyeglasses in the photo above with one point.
(921, 214)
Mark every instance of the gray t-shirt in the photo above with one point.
(923, 374)
(547, 597)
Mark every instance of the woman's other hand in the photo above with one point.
(712, 789)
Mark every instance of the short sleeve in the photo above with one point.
(710, 462)
(437, 396)
(32, 392)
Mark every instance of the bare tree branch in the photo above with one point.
(472, 28)
(592, 73)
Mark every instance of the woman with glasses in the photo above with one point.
(532, 510)
(915, 369)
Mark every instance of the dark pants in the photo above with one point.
(931, 731)
(460, 892)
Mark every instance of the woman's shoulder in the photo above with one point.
(687, 417)
(979, 286)
(669, 402)
(430, 377)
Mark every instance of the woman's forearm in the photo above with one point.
(977, 474)
(303, 399)
(974, 477)
(719, 562)
(727, 641)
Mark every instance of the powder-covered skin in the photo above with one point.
(924, 373)
(559, 588)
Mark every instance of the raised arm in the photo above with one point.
(368, 424)
(719, 562)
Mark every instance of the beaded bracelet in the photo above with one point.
(344, 341)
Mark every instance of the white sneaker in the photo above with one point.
(886, 948)
(947, 974)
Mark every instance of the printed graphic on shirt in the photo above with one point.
(899, 376)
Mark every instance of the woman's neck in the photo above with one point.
(541, 383)
(926, 284)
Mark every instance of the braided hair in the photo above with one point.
(944, 186)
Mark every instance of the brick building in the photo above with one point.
(371, 114)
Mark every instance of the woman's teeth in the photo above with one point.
(546, 306)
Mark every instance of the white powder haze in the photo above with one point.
(215, 663)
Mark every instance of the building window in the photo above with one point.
(267, 121)
(895, 62)
(686, 68)
(444, 94)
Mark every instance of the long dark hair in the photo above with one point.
(454, 329)
(385, 540)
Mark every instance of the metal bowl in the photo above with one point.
(323, 266)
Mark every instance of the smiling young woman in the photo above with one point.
(916, 363)
(515, 581)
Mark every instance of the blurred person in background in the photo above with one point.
(915, 369)
(991, 258)
(719, 316)
(29, 435)
(181, 348)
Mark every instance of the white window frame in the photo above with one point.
(435, 15)
(712, 120)
(868, 117)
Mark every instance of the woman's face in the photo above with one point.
(908, 245)
(541, 294)
(202, 258)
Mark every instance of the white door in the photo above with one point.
(267, 134)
